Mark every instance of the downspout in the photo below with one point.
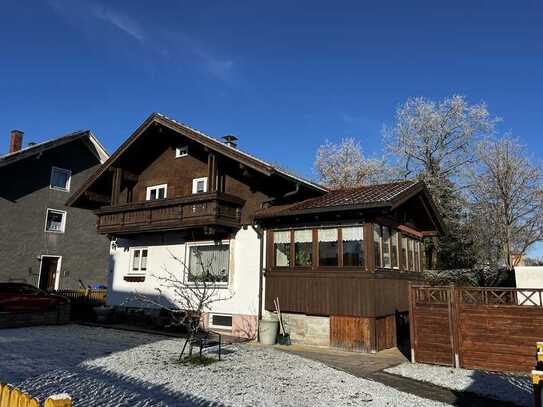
(260, 234)
(286, 195)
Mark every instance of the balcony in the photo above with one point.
(212, 209)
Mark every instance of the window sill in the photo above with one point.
(209, 285)
(134, 278)
(59, 189)
(57, 232)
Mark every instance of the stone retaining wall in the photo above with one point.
(15, 320)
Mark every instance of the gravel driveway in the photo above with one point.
(107, 367)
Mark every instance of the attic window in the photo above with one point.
(60, 179)
(181, 151)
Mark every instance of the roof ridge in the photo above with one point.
(42, 143)
(243, 152)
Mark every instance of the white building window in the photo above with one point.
(181, 151)
(60, 179)
(157, 192)
(199, 185)
(55, 221)
(220, 321)
(209, 263)
(139, 261)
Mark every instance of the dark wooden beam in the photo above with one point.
(116, 186)
(95, 197)
(129, 176)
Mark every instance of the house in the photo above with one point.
(170, 193)
(341, 263)
(44, 242)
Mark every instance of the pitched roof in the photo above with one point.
(371, 196)
(49, 144)
(238, 152)
(206, 140)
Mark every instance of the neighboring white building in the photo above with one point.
(170, 192)
(529, 277)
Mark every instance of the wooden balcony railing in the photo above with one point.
(207, 209)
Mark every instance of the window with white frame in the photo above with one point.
(157, 192)
(209, 263)
(139, 260)
(55, 221)
(199, 185)
(60, 179)
(220, 321)
(181, 151)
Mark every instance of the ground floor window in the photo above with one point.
(303, 247)
(220, 321)
(353, 246)
(328, 247)
(281, 248)
(139, 260)
(209, 263)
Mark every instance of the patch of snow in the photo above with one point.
(500, 386)
(60, 396)
(107, 367)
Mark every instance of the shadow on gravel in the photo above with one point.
(509, 386)
(437, 393)
(99, 387)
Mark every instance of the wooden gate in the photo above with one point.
(476, 327)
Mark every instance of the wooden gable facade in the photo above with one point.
(200, 183)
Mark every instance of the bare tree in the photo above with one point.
(435, 139)
(344, 165)
(434, 142)
(188, 292)
(507, 194)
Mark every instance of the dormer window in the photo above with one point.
(181, 151)
(157, 192)
(199, 185)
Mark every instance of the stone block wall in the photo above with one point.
(307, 329)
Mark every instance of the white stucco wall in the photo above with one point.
(243, 270)
(529, 277)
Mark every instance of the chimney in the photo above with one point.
(230, 140)
(15, 141)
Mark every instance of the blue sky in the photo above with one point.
(282, 76)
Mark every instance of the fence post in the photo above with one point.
(454, 319)
(412, 332)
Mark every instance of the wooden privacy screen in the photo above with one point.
(476, 328)
(360, 334)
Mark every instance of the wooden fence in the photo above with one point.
(474, 327)
(13, 397)
(87, 296)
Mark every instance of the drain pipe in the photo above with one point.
(260, 234)
(286, 195)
